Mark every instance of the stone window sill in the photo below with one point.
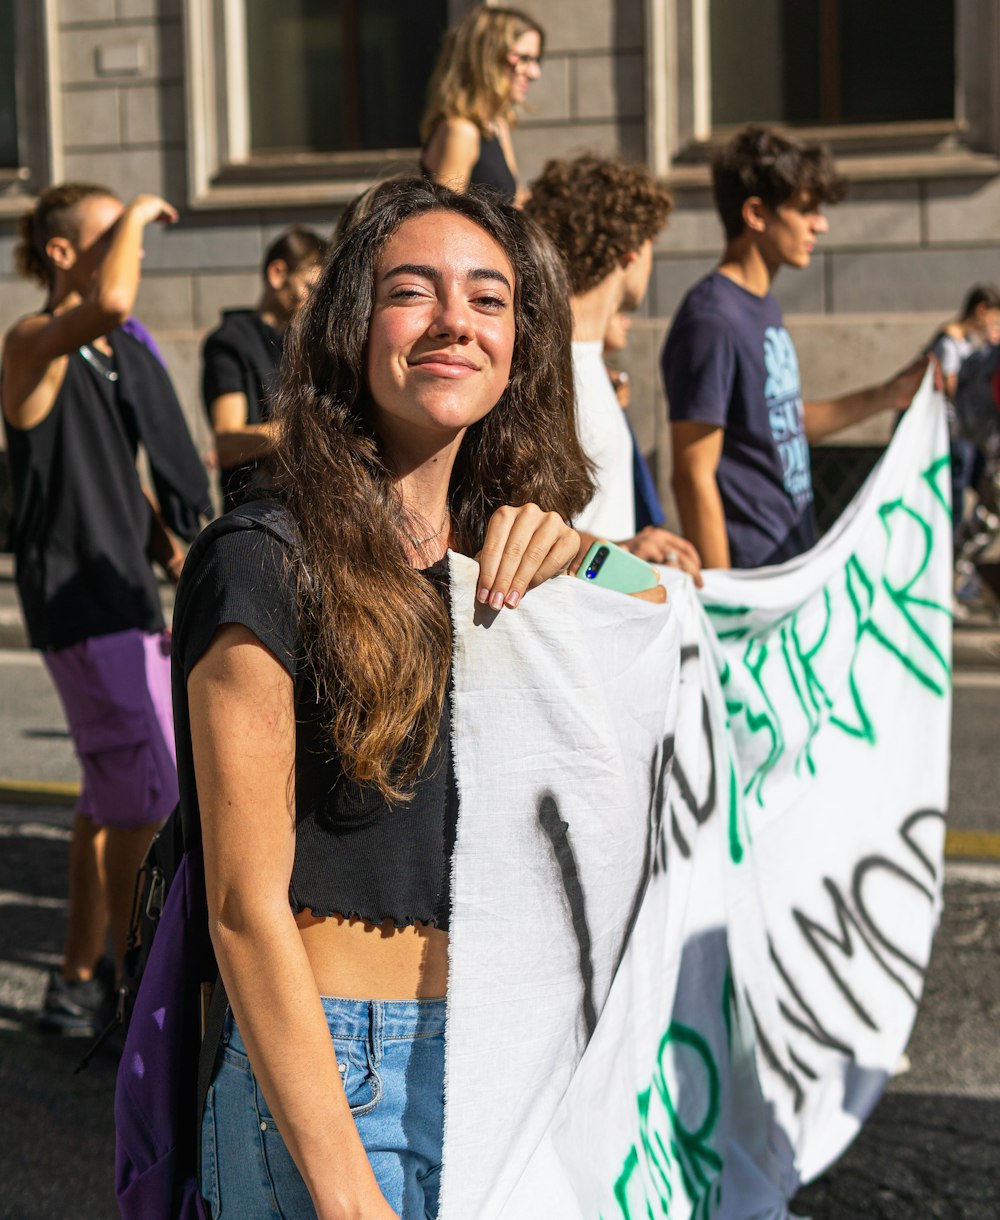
(882, 167)
(14, 197)
(301, 180)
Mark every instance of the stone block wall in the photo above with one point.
(591, 94)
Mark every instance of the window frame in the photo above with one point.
(222, 173)
(680, 137)
(36, 86)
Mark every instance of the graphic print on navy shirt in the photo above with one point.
(783, 392)
(729, 362)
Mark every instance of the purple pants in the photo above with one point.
(115, 690)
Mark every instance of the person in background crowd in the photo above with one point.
(648, 509)
(240, 362)
(426, 389)
(79, 397)
(739, 428)
(603, 214)
(484, 71)
(971, 335)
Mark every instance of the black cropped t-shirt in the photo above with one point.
(356, 854)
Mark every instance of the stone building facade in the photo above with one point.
(170, 96)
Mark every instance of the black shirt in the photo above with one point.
(81, 522)
(241, 356)
(356, 854)
(492, 171)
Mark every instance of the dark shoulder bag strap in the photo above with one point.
(214, 1020)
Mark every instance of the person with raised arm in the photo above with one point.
(80, 396)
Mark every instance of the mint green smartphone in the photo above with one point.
(612, 567)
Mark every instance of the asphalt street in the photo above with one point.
(931, 1149)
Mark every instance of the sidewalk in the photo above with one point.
(976, 647)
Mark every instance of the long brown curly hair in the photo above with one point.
(377, 636)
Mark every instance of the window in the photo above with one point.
(830, 62)
(895, 92)
(28, 159)
(305, 100)
(328, 77)
(8, 96)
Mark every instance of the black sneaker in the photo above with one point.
(74, 1009)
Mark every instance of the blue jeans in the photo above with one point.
(391, 1059)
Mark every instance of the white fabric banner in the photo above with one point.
(698, 867)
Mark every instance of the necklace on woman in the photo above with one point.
(419, 542)
(94, 360)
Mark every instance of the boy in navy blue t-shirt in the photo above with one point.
(740, 429)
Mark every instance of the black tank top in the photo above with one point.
(492, 171)
(81, 522)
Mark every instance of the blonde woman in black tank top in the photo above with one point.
(483, 74)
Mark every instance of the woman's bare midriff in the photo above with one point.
(364, 961)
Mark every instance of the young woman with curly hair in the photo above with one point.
(484, 71)
(426, 403)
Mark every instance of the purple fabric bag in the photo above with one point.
(166, 1066)
(133, 327)
(156, 1094)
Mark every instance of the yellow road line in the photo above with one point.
(34, 792)
(972, 845)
